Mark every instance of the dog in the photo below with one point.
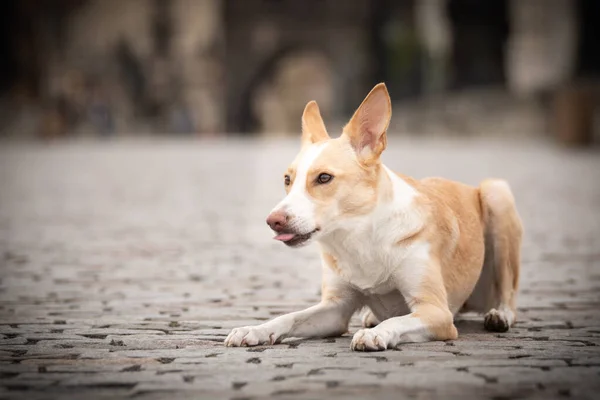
(412, 253)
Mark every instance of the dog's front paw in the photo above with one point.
(249, 336)
(368, 340)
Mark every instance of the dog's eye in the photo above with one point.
(324, 178)
(286, 180)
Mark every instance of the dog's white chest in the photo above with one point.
(369, 267)
(369, 277)
(378, 268)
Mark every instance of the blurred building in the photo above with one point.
(74, 67)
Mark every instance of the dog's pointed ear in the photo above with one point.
(367, 127)
(313, 127)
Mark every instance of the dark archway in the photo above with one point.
(480, 30)
(588, 57)
(258, 33)
(265, 74)
(247, 119)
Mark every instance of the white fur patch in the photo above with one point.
(403, 192)
(298, 203)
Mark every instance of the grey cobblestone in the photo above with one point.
(124, 265)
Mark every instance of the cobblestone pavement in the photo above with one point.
(125, 264)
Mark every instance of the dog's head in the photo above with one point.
(332, 180)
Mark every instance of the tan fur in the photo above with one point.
(354, 187)
(331, 262)
(456, 234)
(367, 127)
(313, 128)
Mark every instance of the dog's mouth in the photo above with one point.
(294, 239)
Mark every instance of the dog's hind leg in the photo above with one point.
(496, 289)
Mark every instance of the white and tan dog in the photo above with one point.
(415, 252)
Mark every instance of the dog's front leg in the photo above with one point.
(430, 318)
(328, 318)
(427, 322)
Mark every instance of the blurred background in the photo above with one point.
(143, 143)
(103, 68)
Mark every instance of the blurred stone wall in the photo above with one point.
(197, 66)
(106, 67)
(131, 66)
(153, 61)
(541, 51)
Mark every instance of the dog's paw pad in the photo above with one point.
(368, 340)
(497, 321)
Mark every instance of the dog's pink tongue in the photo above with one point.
(284, 237)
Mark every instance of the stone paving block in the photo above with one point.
(283, 388)
(464, 363)
(117, 379)
(562, 376)
(103, 333)
(425, 379)
(31, 383)
(74, 363)
(590, 361)
(19, 340)
(140, 342)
